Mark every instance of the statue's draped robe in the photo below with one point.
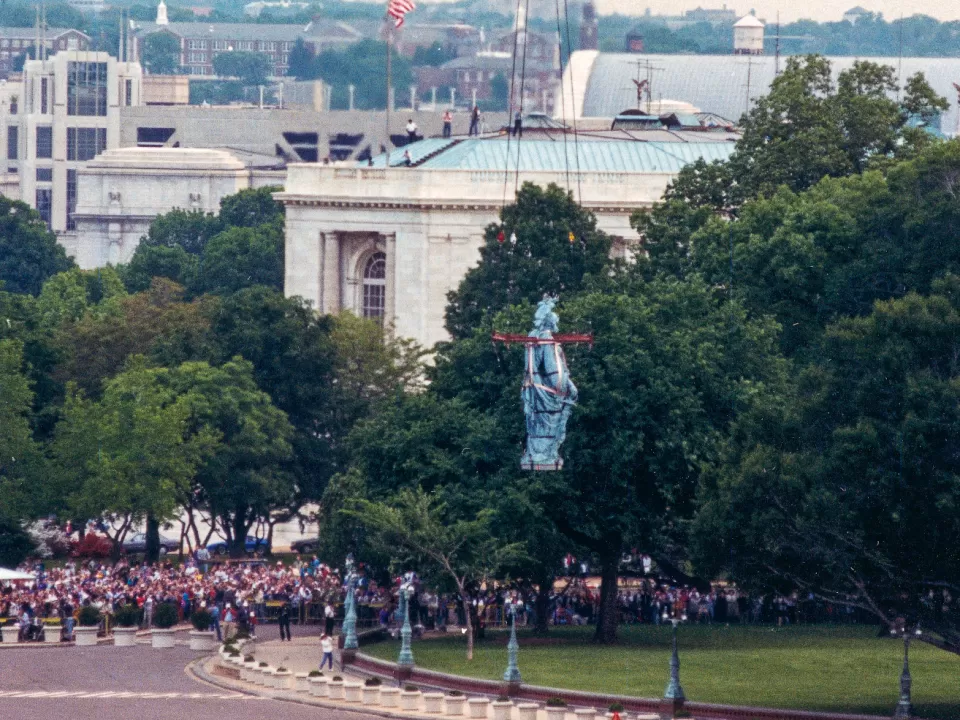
(548, 399)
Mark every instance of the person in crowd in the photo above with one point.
(447, 123)
(284, 620)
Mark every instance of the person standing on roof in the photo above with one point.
(411, 131)
(475, 121)
(518, 123)
(447, 123)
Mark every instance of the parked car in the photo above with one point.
(305, 546)
(138, 544)
(252, 546)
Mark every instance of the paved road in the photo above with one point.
(140, 683)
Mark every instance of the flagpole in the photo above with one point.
(389, 80)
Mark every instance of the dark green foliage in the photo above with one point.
(15, 544)
(542, 260)
(161, 53)
(127, 615)
(165, 616)
(88, 616)
(250, 68)
(201, 620)
(29, 252)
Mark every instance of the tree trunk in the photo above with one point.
(541, 605)
(238, 547)
(468, 616)
(607, 620)
(152, 551)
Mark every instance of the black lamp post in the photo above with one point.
(905, 704)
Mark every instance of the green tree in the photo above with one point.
(29, 252)
(158, 261)
(300, 61)
(161, 53)
(132, 455)
(361, 65)
(499, 92)
(844, 482)
(68, 295)
(21, 461)
(465, 551)
(248, 474)
(432, 55)
(242, 257)
(250, 68)
(188, 229)
(251, 208)
(540, 259)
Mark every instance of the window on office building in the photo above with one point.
(43, 96)
(128, 93)
(85, 143)
(44, 142)
(87, 89)
(44, 174)
(71, 199)
(13, 142)
(45, 204)
(375, 287)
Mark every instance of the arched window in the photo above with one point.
(375, 287)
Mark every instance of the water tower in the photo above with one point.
(748, 36)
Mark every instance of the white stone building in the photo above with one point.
(123, 190)
(390, 243)
(62, 114)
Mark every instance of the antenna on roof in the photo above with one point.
(900, 55)
(776, 62)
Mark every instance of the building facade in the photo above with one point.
(390, 243)
(15, 43)
(201, 42)
(123, 190)
(65, 112)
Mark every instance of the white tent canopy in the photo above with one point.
(8, 575)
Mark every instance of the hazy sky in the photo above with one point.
(790, 9)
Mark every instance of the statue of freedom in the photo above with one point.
(548, 392)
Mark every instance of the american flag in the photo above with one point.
(398, 8)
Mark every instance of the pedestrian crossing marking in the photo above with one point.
(121, 695)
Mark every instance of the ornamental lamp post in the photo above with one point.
(512, 675)
(673, 696)
(405, 659)
(350, 643)
(905, 704)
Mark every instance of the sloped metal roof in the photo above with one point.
(718, 83)
(550, 155)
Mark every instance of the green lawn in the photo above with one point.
(835, 668)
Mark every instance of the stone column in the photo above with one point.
(331, 273)
(302, 258)
(390, 302)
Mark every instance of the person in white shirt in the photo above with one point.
(411, 130)
(326, 647)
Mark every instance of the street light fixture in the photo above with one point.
(350, 615)
(674, 692)
(512, 675)
(905, 704)
(405, 660)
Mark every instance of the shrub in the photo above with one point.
(410, 688)
(165, 616)
(201, 619)
(242, 634)
(281, 669)
(455, 693)
(127, 616)
(372, 682)
(89, 616)
(248, 658)
(235, 653)
(556, 702)
(314, 673)
(261, 664)
(337, 678)
(91, 546)
(615, 707)
(502, 698)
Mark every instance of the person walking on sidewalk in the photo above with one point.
(284, 620)
(326, 647)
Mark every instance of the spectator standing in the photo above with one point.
(284, 621)
(447, 123)
(518, 123)
(328, 618)
(411, 131)
(475, 121)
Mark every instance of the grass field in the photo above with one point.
(832, 668)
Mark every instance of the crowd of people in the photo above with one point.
(237, 595)
(241, 595)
